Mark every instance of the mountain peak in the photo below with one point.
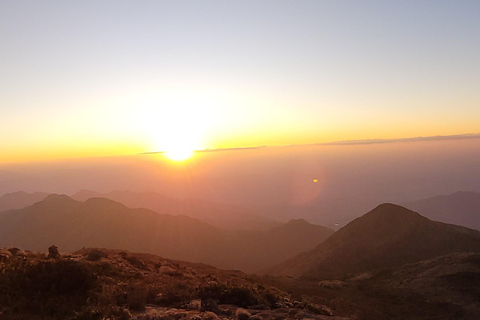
(391, 208)
(391, 212)
(387, 236)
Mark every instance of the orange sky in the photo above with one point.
(92, 79)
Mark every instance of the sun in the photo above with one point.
(179, 154)
(181, 146)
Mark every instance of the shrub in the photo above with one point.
(134, 261)
(239, 296)
(95, 255)
(136, 298)
(52, 288)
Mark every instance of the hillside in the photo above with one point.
(387, 236)
(460, 208)
(114, 284)
(220, 215)
(443, 288)
(20, 199)
(100, 222)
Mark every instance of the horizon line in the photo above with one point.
(343, 143)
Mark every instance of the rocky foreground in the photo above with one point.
(113, 284)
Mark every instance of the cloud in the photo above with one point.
(347, 142)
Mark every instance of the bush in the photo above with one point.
(239, 296)
(136, 298)
(134, 261)
(52, 288)
(95, 255)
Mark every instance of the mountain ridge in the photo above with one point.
(224, 216)
(387, 236)
(99, 222)
(461, 208)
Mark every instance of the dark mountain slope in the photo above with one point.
(387, 236)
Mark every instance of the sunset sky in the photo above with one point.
(97, 78)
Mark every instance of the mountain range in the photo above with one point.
(100, 222)
(223, 216)
(387, 236)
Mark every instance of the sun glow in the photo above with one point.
(179, 154)
(176, 124)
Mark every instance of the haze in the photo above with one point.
(277, 181)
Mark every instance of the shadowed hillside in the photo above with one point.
(443, 288)
(387, 236)
(461, 208)
(100, 222)
(114, 284)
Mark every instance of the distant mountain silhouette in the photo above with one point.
(20, 199)
(71, 225)
(387, 236)
(219, 215)
(461, 208)
(100, 222)
(260, 250)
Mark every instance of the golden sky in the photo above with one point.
(95, 79)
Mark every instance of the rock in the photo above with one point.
(305, 315)
(53, 252)
(210, 305)
(5, 255)
(332, 284)
(13, 250)
(279, 315)
(210, 316)
(177, 315)
(195, 304)
(20, 253)
(318, 309)
(227, 309)
(242, 314)
(126, 315)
